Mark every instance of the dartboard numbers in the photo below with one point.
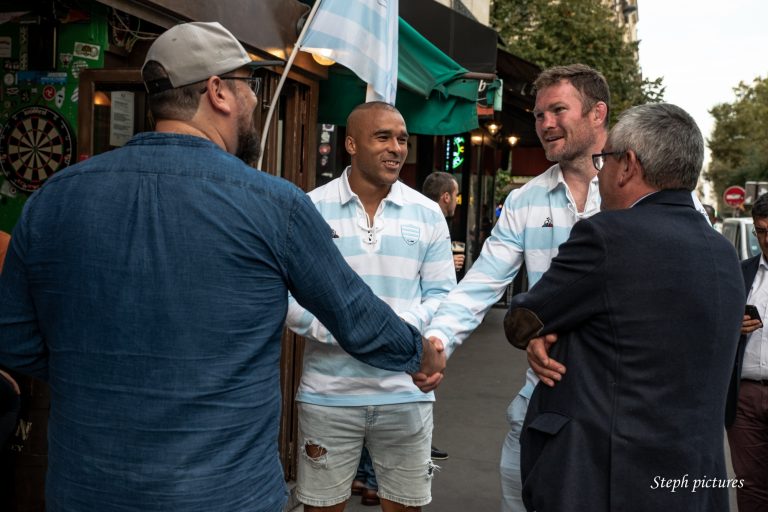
(34, 143)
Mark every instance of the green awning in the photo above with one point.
(432, 95)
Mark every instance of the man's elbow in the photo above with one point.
(520, 326)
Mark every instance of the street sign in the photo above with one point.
(734, 196)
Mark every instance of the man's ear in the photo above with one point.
(600, 112)
(218, 95)
(445, 197)
(633, 169)
(350, 145)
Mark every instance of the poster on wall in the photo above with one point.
(121, 122)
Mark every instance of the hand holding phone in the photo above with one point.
(751, 312)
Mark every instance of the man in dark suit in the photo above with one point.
(746, 411)
(643, 300)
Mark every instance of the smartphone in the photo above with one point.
(751, 312)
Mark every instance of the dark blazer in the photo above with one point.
(749, 270)
(648, 317)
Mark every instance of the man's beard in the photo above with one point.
(565, 154)
(248, 140)
(248, 144)
(576, 144)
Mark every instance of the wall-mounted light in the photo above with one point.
(101, 99)
(493, 127)
(476, 139)
(278, 53)
(512, 140)
(323, 56)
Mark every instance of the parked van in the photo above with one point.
(738, 231)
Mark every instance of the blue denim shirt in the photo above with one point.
(149, 286)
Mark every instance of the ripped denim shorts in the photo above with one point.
(398, 437)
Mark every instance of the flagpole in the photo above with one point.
(276, 96)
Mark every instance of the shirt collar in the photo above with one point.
(346, 194)
(554, 177)
(642, 197)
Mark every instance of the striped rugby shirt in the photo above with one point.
(535, 220)
(406, 259)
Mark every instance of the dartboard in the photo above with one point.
(34, 143)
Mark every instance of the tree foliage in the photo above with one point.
(503, 185)
(739, 141)
(557, 32)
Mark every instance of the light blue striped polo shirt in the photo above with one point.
(535, 220)
(406, 259)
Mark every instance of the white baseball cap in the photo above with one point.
(193, 52)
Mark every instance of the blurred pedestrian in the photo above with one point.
(442, 188)
(716, 221)
(747, 407)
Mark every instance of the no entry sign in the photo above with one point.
(734, 196)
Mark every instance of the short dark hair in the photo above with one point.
(180, 103)
(760, 208)
(437, 184)
(591, 84)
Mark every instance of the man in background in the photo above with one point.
(443, 189)
(746, 413)
(716, 222)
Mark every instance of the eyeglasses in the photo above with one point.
(254, 82)
(759, 232)
(598, 159)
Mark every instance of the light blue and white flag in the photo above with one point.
(361, 35)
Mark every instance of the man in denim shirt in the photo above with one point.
(149, 287)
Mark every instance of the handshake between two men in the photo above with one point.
(433, 360)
